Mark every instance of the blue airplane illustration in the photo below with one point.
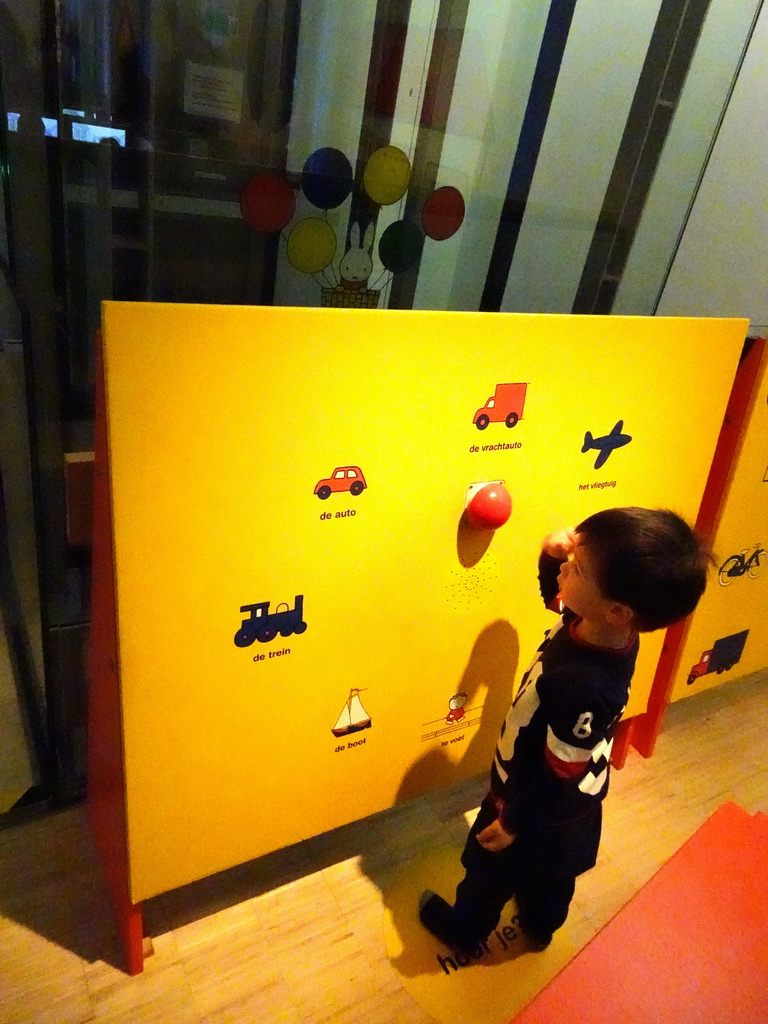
(607, 443)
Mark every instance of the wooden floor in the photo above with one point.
(297, 936)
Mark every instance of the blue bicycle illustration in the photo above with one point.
(739, 565)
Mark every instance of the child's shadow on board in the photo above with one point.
(491, 668)
(492, 665)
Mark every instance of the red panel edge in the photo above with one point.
(106, 774)
(648, 726)
(622, 741)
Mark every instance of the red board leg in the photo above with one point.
(621, 742)
(106, 774)
(648, 726)
(132, 934)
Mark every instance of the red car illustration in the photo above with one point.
(343, 478)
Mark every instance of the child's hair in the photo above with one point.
(648, 559)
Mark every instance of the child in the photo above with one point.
(620, 572)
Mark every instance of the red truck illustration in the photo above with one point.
(504, 406)
(344, 478)
(725, 653)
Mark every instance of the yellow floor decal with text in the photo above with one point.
(490, 987)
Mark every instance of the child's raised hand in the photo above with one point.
(559, 544)
(494, 837)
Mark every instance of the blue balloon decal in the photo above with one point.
(326, 179)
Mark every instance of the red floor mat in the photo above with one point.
(690, 948)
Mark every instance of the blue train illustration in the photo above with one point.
(263, 626)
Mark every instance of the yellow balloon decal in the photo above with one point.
(386, 175)
(311, 245)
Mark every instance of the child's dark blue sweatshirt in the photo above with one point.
(552, 760)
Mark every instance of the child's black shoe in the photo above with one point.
(438, 918)
(538, 940)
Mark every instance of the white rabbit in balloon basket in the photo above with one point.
(357, 263)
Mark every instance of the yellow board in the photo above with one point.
(728, 637)
(223, 424)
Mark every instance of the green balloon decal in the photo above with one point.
(400, 246)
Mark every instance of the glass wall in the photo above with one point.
(515, 155)
(23, 730)
(538, 156)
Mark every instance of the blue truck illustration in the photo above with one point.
(725, 653)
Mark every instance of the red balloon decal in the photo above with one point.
(267, 203)
(443, 213)
(490, 507)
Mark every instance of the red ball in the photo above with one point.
(490, 508)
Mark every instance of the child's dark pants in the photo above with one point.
(539, 869)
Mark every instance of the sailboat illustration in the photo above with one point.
(353, 716)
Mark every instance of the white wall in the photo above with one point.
(328, 103)
(493, 80)
(715, 63)
(603, 59)
(721, 266)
